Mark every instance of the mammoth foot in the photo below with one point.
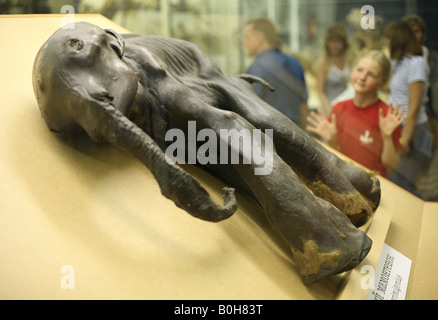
(314, 265)
(366, 183)
(318, 258)
(354, 205)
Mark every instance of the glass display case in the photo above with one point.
(216, 26)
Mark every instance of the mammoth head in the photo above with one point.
(78, 68)
(82, 84)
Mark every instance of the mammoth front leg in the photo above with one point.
(348, 187)
(322, 239)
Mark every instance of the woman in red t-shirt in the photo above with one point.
(365, 128)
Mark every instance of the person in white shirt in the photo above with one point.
(409, 85)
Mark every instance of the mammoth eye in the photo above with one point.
(76, 44)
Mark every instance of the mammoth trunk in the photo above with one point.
(175, 184)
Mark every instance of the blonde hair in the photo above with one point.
(381, 59)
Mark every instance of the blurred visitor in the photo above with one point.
(333, 68)
(428, 185)
(419, 28)
(282, 71)
(364, 128)
(409, 85)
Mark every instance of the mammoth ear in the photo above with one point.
(116, 41)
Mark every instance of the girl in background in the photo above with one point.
(364, 128)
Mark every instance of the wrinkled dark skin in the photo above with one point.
(129, 90)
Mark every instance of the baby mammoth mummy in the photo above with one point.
(130, 90)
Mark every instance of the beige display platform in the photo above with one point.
(86, 221)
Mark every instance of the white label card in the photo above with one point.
(391, 277)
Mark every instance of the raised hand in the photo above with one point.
(322, 126)
(393, 119)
